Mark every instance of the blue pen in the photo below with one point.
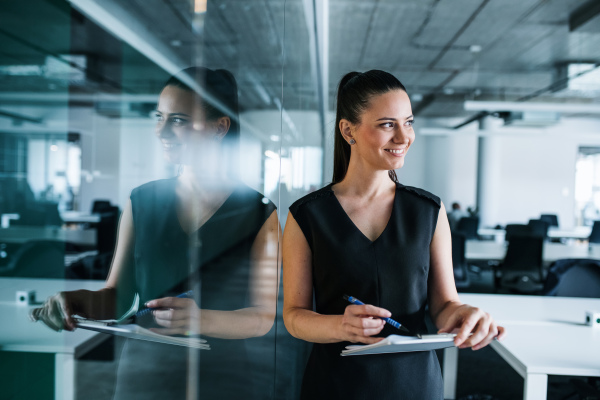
(390, 321)
(145, 311)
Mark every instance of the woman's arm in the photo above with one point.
(447, 312)
(58, 310)
(357, 324)
(183, 316)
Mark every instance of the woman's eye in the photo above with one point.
(387, 125)
(158, 117)
(179, 121)
(410, 123)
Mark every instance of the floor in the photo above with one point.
(482, 374)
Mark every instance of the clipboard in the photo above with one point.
(124, 327)
(402, 344)
(134, 331)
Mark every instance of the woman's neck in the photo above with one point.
(364, 182)
(196, 183)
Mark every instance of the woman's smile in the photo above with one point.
(396, 152)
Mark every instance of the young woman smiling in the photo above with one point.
(367, 235)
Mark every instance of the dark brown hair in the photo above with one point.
(354, 93)
(220, 84)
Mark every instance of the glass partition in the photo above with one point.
(150, 150)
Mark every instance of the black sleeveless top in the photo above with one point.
(390, 272)
(215, 262)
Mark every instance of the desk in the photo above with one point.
(536, 345)
(23, 234)
(495, 251)
(19, 334)
(579, 232)
(79, 217)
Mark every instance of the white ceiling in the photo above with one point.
(428, 44)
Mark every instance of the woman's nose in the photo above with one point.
(401, 136)
(163, 130)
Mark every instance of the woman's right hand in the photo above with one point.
(361, 322)
(56, 312)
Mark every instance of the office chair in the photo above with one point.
(522, 268)
(552, 219)
(517, 230)
(539, 227)
(576, 278)
(573, 278)
(39, 214)
(106, 229)
(595, 234)
(459, 262)
(37, 259)
(100, 205)
(468, 226)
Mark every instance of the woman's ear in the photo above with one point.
(346, 130)
(222, 126)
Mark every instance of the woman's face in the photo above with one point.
(181, 126)
(385, 131)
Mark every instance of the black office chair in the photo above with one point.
(517, 230)
(595, 234)
(522, 268)
(37, 259)
(459, 262)
(39, 214)
(552, 219)
(573, 278)
(576, 278)
(468, 226)
(100, 205)
(106, 229)
(539, 227)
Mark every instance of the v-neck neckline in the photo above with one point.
(354, 224)
(197, 230)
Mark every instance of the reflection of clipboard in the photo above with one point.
(401, 344)
(134, 331)
(124, 327)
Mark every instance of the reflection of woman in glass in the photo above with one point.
(202, 231)
(368, 236)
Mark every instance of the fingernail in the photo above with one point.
(149, 304)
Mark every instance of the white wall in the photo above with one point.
(535, 172)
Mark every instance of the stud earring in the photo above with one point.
(352, 141)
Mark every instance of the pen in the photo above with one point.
(145, 311)
(390, 321)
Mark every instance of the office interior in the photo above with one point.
(506, 100)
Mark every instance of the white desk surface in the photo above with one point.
(79, 217)
(491, 250)
(22, 234)
(545, 334)
(18, 333)
(579, 232)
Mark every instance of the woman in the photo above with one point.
(202, 230)
(368, 236)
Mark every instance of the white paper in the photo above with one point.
(400, 344)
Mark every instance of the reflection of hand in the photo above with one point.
(360, 322)
(466, 320)
(56, 312)
(177, 315)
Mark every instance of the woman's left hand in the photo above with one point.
(177, 315)
(465, 320)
